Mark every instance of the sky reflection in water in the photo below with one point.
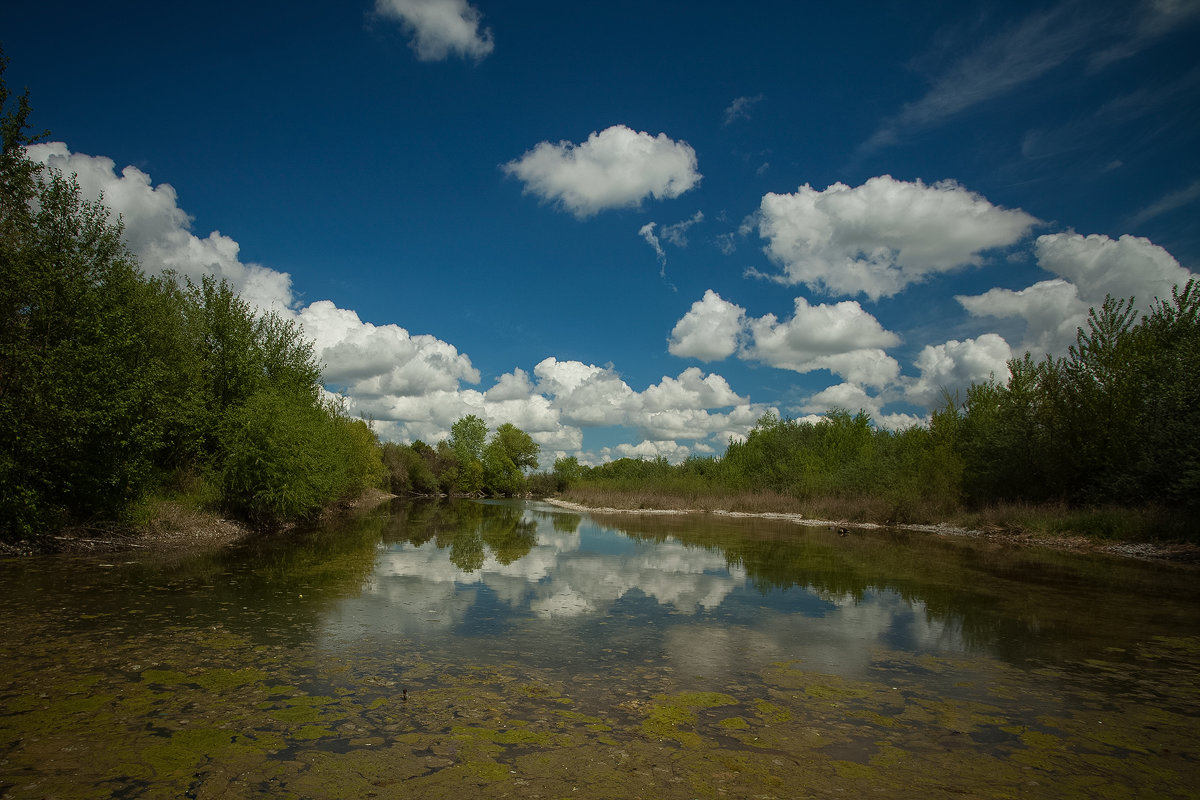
(562, 589)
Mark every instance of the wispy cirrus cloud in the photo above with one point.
(740, 108)
(996, 66)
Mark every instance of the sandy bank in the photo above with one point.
(1173, 552)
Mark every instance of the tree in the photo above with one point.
(567, 471)
(85, 344)
(467, 438)
(509, 453)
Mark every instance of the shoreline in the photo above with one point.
(177, 531)
(1174, 553)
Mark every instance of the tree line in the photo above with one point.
(118, 386)
(468, 463)
(114, 383)
(1115, 422)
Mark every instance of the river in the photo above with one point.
(511, 649)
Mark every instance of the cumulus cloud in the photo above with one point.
(440, 28)
(854, 398)
(416, 386)
(158, 231)
(878, 238)
(691, 390)
(615, 168)
(954, 365)
(1052, 312)
(1088, 269)
(370, 360)
(709, 331)
(842, 338)
(1131, 266)
(681, 408)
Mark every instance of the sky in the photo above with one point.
(631, 228)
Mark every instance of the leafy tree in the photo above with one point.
(467, 438)
(85, 343)
(509, 453)
(567, 471)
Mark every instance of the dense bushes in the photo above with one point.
(468, 463)
(1114, 423)
(283, 457)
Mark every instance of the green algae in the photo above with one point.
(217, 680)
(669, 712)
(219, 714)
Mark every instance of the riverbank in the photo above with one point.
(1175, 552)
(172, 528)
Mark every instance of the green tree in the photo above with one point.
(567, 472)
(85, 344)
(467, 439)
(506, 457)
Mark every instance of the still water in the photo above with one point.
(517, 650)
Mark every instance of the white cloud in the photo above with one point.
(1051, 309)
(615, 168)
(842, 338)
(848, 396)
(374, 360)
(647, 233)
(677, 234)
(709, 331)
(416, 386)
(1131, 266)
(882, 236)
(158, 231)
(955, 365)
(1089, 268)
(680, 408)
(668, 449)
(691, 390)
(440, 27)
(587, 395)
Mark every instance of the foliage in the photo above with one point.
(467, 438)
(464, 464)
(112, 382)
(284, 458)
(1114, 424)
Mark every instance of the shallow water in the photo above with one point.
(512, 649)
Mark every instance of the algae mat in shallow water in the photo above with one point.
(205, 715)
(257, 678)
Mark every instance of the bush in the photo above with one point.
(285, 458)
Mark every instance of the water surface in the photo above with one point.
(512, 649)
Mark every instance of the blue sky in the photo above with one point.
(633, 228)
